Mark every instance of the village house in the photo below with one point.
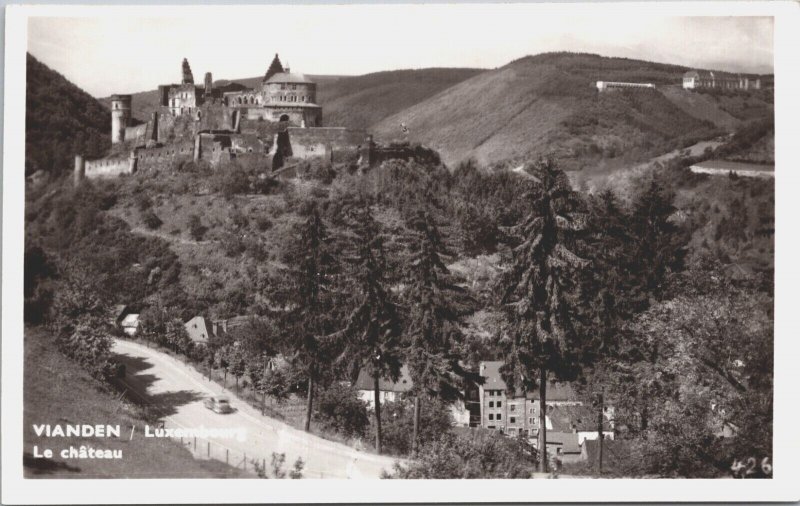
(395, 391)
(130, 324)
(199, 330)
(518, 414)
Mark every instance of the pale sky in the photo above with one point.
(115, 53)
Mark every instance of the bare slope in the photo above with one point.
(546, 104)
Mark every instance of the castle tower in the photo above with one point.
(209, 85)
(120, 116)
(274, 68)
(79, 171)
(187, 78)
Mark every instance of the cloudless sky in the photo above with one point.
(116, 52)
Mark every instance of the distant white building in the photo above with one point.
(606, 85)
(724, 168)
(695, 79)
(130, 324)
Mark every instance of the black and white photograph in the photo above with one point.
(395, 242)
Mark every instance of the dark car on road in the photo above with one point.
(218, 404)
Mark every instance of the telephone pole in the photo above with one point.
(600, 433)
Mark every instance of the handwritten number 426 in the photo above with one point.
(751, 468)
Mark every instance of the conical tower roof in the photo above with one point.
(274, 68)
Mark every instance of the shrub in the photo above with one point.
(232, 181)
(340, 409)
(143, 202)
(398, 424)
(263, 223)
(151, 220)
(470, 454)
(196, 228)
(90, 346)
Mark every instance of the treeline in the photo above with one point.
(590, 291)
(61, 120)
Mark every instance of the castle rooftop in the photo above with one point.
(285, 77)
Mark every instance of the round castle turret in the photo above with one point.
(120, 116)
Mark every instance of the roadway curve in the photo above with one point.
(154, 375)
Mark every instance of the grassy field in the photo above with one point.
(58, 391)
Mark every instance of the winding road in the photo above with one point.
(179, 390)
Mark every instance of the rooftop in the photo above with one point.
(403, 383)
(287, 77)
(490, 370)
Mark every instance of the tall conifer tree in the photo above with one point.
(541, 292)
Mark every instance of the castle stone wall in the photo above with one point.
(313, 142)
(109, 167)
(164, 157)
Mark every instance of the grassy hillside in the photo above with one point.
(58, 391)
(362, 101)
(547, 104)
(60, 121)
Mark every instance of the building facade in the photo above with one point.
(517, 413)
(695, 79)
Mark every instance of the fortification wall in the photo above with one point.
(109, 167)
(330, 142)
(164, 157)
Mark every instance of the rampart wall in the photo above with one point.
(109, 167)
(328, 142)
(164, 156)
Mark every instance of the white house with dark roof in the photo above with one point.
(393, 391)
(199, 330)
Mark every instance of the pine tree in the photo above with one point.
(541, 292)
(433, 318)
(372, 336)
(310, 290)
(658, 243)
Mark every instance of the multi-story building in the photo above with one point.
(516, 413)
(695, 79)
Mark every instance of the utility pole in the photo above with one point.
(263, 386)
(600, 433)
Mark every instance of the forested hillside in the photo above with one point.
(61, 120)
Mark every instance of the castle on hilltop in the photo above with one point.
(262, 127)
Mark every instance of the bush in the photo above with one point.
(151, 220)
(263, 223)
(340, 409)
(398, 424)
(196, 228)
(232, 180)
(90, 346)
(470, 454)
